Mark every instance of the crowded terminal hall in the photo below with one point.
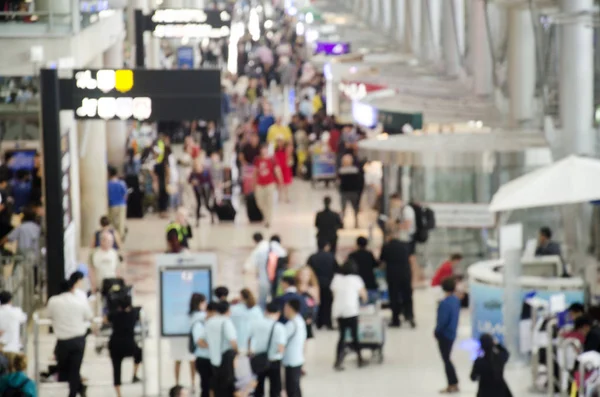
(242, 198)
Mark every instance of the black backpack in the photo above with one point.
(16, 391)
(424, 222)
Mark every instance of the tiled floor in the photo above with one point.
(411, 367)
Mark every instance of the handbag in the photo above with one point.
(260, 362)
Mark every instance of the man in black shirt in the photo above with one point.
(328, 223)
(350, 185)
(395, 255)
(367, 264)
(250, 151)
(211, 140)
(591, 332)
(324, 265)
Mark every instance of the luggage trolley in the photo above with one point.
(323, 167)
(38, 322)
(371, 331)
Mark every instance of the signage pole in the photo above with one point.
(140, 49)
(53, 194)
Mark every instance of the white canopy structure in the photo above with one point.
(572, 180)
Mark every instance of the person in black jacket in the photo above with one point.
(328, 223)
(211, 140)
(488, 369)
(324, 265)
(122, 340)
(366, 262)
(350, 185)
(395, 255)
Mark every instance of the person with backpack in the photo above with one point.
(17, 384)
(267, 345)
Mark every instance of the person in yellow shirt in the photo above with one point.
(279, 130)
(317, 102)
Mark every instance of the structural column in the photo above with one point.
(387, 15)
(453, 36)
(92, 170)
(576, 81)
(482, 67)
(521, 64)
(116, 130)
(399, 21)
(414, 18)
(375, 12)
(432, 18)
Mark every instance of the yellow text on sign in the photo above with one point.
(123, 80)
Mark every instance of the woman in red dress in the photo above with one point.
(284, 160)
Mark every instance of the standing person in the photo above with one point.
(117, 201)
(258, 261)
(160, 173)
(182, 227)
(445, 331)
(488, 369)
(348, 291)
(11, 319)
(180, 352)
(220, 338)
(70, 317)
(324, 265)
(122, 341)
(243, 315)
(265, 121)
(279, 131)
(328, 223)
(6, 205)
(27, 234)
(290, 292)
(395, 256)
(249, 152)
(105, 262)
(21, 190)
(173, 181)
(308, 286)
(264, 331)
(202, 184)
(211, 140)
(446, 270)
(283, 158)
(267, 174)
(350, 186)
(105, 226)
(293, 358)
(198, 319)
(402, 224)
(366, 262)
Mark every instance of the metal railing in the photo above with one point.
(22, 276)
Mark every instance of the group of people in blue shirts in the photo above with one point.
(222, 335)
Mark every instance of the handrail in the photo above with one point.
(553, 322)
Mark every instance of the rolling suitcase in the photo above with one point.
(254, 213)
(225, 211)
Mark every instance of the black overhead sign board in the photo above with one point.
(139, 94)
(191, 23)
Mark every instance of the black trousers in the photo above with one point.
(118, 353)
(324, 313)
(274, 376)
(445, 346)
(332, 242)
(69, 356)
(401, 301)
(204, 369)
(292, 381)
(202, 195)
(163, 196)
(349, 323)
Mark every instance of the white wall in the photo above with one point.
(85, 46)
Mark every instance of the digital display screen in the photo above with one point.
(323, 166)
(177, 285)
(332, 48)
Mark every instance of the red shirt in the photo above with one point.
(443, 272)
(265, 171)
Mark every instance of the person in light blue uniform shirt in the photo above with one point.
(243, 315)
(264, 329)
(197, 319)
(293, 359)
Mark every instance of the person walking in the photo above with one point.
(366, 263)
(70, 317)
(122, 341)
(488, 369)
(395, 256)
(201, 180)
(348, 291)
(11, 319)
(324, 265)
(267, 175)
(445, 331)
(269, 336)
(328, 223)
(293, 358)
(350, 186)
(117, 201)
(284, 159)
(181, 226)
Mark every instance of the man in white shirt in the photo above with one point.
(70, 317)
(11, 319)
(104, 262)
(257, 261)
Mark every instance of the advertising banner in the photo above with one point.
(332, 48)
(185, 57)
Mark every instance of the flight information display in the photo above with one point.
(177, 284)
